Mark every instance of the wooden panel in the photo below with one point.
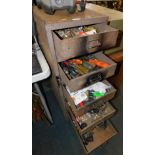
(117, 57)
(111, 13)
(101, 136)
(117, 80)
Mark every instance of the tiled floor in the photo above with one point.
(61, 139)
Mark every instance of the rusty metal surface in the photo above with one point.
(62, 19)
(79, 82)
(73, 47)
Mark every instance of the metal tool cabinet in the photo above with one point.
(57, 50)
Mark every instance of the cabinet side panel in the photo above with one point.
(43, 38)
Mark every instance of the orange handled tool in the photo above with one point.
(76, 61)
(99, 63)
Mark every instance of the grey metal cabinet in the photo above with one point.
(57, 50)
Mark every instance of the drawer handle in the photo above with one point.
(95, 78)
(94, 44)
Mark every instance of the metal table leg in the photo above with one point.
(43, 102)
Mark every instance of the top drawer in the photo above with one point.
(105, 38)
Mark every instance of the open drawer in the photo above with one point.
(89, 120)
(105, 38)
(80, 81)
(81, 110)
(100, 136)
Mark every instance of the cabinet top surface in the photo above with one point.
(61, 16)
(111, 13)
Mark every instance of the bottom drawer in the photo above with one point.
(101, 136)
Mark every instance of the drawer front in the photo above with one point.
(81, 81)
(73, 47)
(82, 110)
